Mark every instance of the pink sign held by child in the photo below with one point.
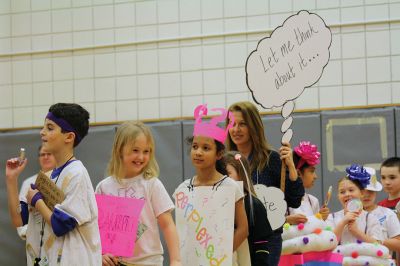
(118, 222)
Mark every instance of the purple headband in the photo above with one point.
(64, 125)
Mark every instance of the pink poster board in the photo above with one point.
(118, 222)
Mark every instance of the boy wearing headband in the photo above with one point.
(69, 234)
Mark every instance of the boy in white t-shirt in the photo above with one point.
(386, 217)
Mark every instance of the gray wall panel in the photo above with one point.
(356, 136)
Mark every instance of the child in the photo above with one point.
(386, 217)
(69, 234)
(47, 163)
(206, 154)
(133, 171)
(259, 228)
(306, 158)
(351, 226)
(390, 173)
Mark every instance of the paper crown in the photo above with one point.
(211, 128)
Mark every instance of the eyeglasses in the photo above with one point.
(44, 154)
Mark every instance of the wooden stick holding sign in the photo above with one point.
(52, 194)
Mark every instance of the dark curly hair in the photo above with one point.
(75, 115)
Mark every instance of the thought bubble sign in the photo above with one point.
(274, 201)
(290, 60)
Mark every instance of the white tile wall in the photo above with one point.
(83, 66)
(146, 13)
(214, 81)
(22, 117)
(127, 110)
(84, 90)
(168, 11)
(127, 88)
(378, 69)
(5, 72)
(105, 89)
(61, 20)
(170, 107)
(62, 68)
(63, 91)
(379, 93)
(170, 85)
(6, 118)
(42, 69)
(148, 86)
(354, 95)
(354, 71)
(43, 93)
(6, 99)
(82, 18)
(192, 83)
(105, 111)
(124, 15)
(41, 22)
(212, 9)
(149, 109)
(330, 96)
(364, 62)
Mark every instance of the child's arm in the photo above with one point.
(40, 206)
(296, 218)
(168, 228)
(392, 243)
(242, 230)
(348, 217)
(13, 170)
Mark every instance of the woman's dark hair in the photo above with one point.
(75, 115)
(220, 165)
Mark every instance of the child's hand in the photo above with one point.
(33, 195)
(109, 260)
(324, 211)
(353, 229)
(14, 167)
(296, 218)
(285, 152)
(350, 217)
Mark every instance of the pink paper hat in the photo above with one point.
(211, 128)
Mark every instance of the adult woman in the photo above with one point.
(247, 136)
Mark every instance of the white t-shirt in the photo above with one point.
(388, 220)
(148, 247)
(22, 197)
(82, 245)
(364, 222)
(309, 206)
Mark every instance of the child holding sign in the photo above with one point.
(133, 171)
(69, 234)
(259, 227)
(353, 224)
(306, 158)
(210, 212)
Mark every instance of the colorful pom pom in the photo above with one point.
(354, 254)
(328, 228)
(317, 231)
(300, 226)
(379, 253)
(359, 241)
(286, 226)
(305, 240)
(318, 216)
